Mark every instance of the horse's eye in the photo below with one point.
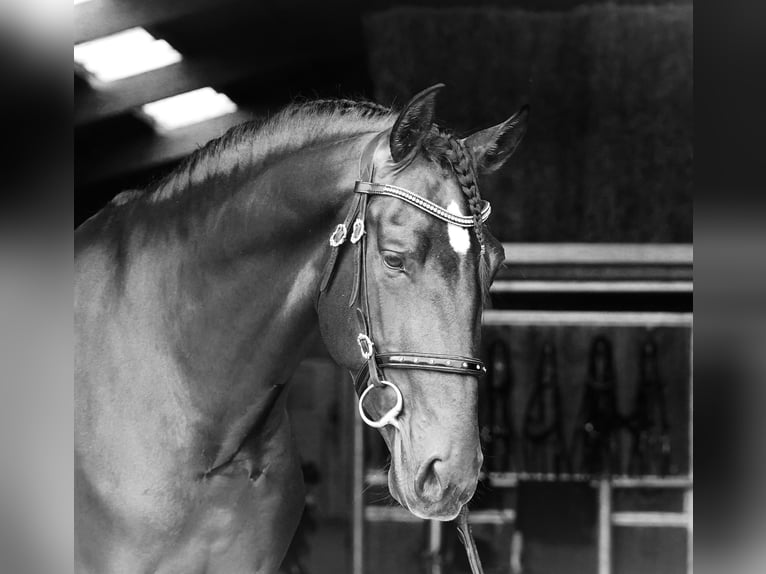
(393, 261)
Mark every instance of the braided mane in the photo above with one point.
(463, 165)
(442, 147)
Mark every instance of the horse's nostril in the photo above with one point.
(427, 484)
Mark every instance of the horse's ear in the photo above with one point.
(492, 146)
(413, 123)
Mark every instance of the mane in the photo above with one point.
(256, 144)
(443, 148)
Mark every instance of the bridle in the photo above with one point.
(375, 362)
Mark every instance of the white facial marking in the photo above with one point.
(459, 238)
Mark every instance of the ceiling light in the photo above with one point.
(76, 2)
(124, 54)
(188, 108)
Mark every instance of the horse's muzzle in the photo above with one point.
(439, 489)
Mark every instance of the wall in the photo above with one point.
(608, 154)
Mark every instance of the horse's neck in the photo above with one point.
(237, 295)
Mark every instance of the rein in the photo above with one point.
(371, 370)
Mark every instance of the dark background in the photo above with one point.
(609, 150)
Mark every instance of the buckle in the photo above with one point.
(338, 236)
(365, 345)
(357, 230)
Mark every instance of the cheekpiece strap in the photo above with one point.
(352, 225)
(361, 244)
(337, 239)
(367, 350)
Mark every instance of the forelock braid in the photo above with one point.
(463, 166)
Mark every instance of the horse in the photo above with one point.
(196, 297)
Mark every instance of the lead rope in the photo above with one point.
(466, 537)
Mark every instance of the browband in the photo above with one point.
(374, 188)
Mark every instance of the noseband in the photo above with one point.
(371, 370)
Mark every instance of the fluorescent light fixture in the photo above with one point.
(124, 54)
(188, 108)
(76, 2)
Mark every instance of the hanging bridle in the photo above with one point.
(371, 370)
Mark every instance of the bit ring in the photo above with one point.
(390, 417)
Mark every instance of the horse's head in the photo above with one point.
(421, 287)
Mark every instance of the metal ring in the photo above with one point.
(388, 418)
